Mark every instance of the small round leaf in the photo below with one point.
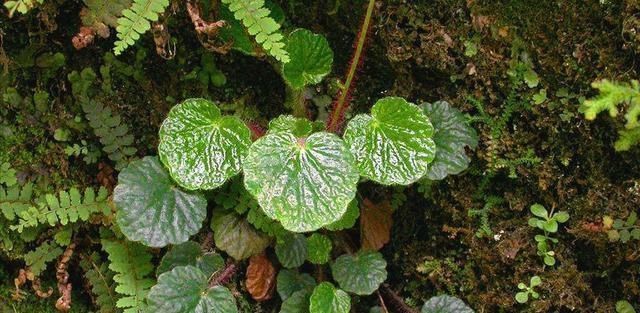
(200, 147)
(348, 219)
(290, 281)
(361, 274)
(185, 289)
(151, 209)
(319, 249)
(446, 304)
(327, 299)
(235, 236)
(311, 58)
(303, 182)
(297, 303)
(292, 250)
(393, 145)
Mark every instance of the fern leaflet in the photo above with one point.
(135, 21)
(132, 264)
(101, 280)
(255, 17)
(15, 200)
(37, 259)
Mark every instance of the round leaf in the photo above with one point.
(452, 134)
(304, 183)
(297, 303)
(290, 281)
(319, 249)
(151, 209)
(235, 236)
(361, 274)
(300, 127)
(348, 219)
(201, 148)
(185, 289)
(311, 58)
(190, 253)
(327, 299)
(446, 304)
(393, 145)
(292, 251)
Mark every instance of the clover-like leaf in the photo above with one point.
(303, 182)
(200, 147)
(290, 281)
(235, 236)
(292, 250)
(185, 289)
(190, 253)
(393, 145)
(361, 273)
(151, 209)
(328, 299)
(452, 134)
(445, 304)
(311, 58)
(319, 248)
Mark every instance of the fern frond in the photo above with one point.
(135, 21)
(67, 207)
(255, 17)
(37, 259)
(113, 134)
(611, 95)
(15, 200)
(100, 12)
(101, 280)
(132, 264)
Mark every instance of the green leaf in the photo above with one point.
(311, 58)
(624, 306)
(445, 304)
(303, 182)
(549, 260)
(201, 148)
(551, 226)
(348, 219)
(625, 235)
(190, 253)
(151, 209)
(393, 145)
(319, 248)
(327, 299)
(300, 127)
(185, 289)
(561, 216)
(631, 220)
(297, 303)
(361, 274)
(292, 251)
(522, 297)
(235, 236)
(535, 281)
(538, 210)
(290, 281)
(452, 133)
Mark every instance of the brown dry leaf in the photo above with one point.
(261, 277)
(375, 224)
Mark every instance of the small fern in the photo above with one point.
(37, 259)
(100, 278)
(136, 21)
(67, 207)
(132, 264)
(255, 17)
(15, 200)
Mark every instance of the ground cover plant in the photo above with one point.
(318, 156)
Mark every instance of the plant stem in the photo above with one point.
(336, 118)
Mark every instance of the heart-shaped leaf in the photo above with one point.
(311, 58)
(452, 134)
(235, 236)
(292, 250)
(445, 304)
(151, 209)
(185, 289)
(361, 273)
(200, 147)
(190, 253)
(327, 299)
(319, 248)
(303, 182)
(297, 303)
(393, 145)
(290, 281)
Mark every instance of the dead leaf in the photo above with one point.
(261, 277)
(375, 224)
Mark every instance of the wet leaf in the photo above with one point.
(327, 299)
(290, 281)
(152, 210)
(361, 273)
(292, 250)
(300, 127)
(261, 277)
(235, 236)
(375, 224)
(348, 219)
(185, 289)
(319, 248)
(452, 134)
(303, 182)
(311, 58)
(200, 147)
(445, 304)
(190, 253)
(393, 145)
